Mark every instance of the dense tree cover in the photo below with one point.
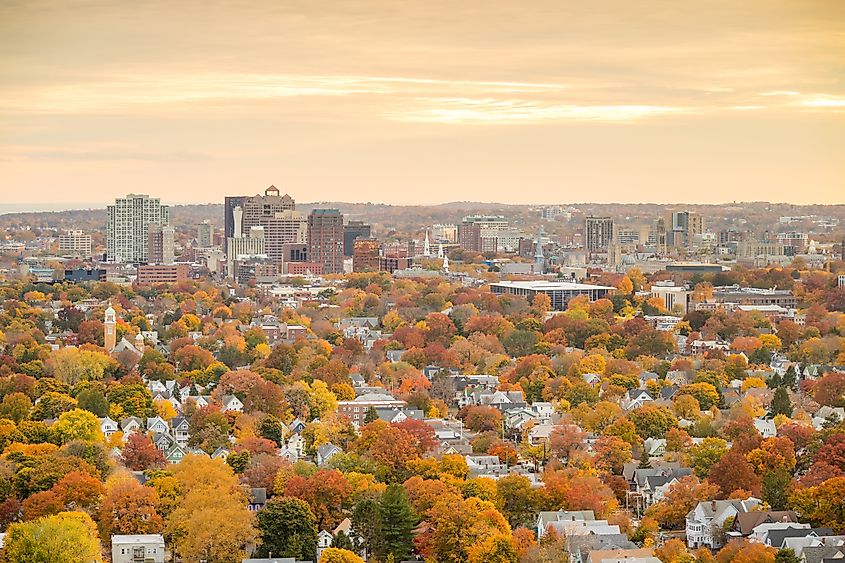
(400, 496)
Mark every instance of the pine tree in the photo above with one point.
(781, 403)
(342, 541)
(786, 556)
(645, 461)
(396, 522)
(371, 416)
(271, 428)
(790, 378)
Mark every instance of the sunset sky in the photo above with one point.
(423, 101)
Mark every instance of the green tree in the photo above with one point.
(272, 429)
(371, 415)
(396, 521)
(787, 556)
(777, 486)
(780, 403)
(93, 400)
(704, 455)
(288, 528)
(67, 537)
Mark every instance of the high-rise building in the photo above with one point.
(240, 248)
(204, 232)
(230, 203)
(126, 231)
(76, 244)
(354, 230)
(273, 212)
(598, 232)
(680, 229)
(444, 233)
(325, 239)
(366, 255)
(160, 243)
(494, 234)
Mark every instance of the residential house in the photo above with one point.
(545, 518)
(324, 541)
(231, 403)
(704, 522)
(157, 424)
(181, 432)
(326, 452)
(257, 499)
(108, 427)
(635, 398)
(135, 548)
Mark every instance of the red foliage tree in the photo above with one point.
(140, 454)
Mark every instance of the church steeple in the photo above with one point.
(426, 245)
(110, 329)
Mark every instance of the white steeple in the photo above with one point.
(426, 245)
(446, 264)
(440, 250)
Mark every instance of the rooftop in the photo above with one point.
(543, 285)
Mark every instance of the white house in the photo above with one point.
(705, 521)
(148, 548)
(108, 427)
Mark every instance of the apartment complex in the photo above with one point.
(75, 244)
(128, 220)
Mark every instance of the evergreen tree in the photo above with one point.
(371, 416)
(364, 523)
(342, 541)
(645, 461)
(271, 428)
(790, 378)
(781, 403)
(777, 486)
(396, 521)
(786, 556)
(288, 529)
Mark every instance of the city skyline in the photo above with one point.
(425, 103)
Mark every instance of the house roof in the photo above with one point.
(776, 538)
(745, 522)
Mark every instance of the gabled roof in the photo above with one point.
(745, 522)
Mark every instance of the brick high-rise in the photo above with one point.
(325, 239)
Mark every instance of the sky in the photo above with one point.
(423, 102)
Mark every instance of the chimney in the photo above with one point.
(713, 505)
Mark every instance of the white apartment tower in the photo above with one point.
(127, 228)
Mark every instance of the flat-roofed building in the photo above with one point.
(162, 273)
(560, 293)
(75, 243)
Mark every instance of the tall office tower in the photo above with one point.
(276, 214)
(126, 231)
(366, 255)
(230, 203)
(325, 239)
(598, 232)
(351, 231)
(160, 243)
(76, 244)
(682, 228)
(204, 232)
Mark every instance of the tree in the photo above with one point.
(516, 500)
(705, 454)
(326, 492)
(129, 508)
(612, 453)
(780, 403)
(706, 394)
(67, 537)
(140, 454)
(72, 365)
(271, 428)
(211, 520)
(455, 527)
(396, 521)
(482, 418)
(77, 424)
(79, 491)
(371, 415)
(787, 555)
(16, 407)
(93, 400)
(681, 497)
(733, 472)
(652, 421)
(499, 548)
(288, 528)
(338, 555)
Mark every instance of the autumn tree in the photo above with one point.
(211, 519)
(129, 508)
(732, 472)
(67, 537)
(140, 454)
(326, 493)
(455, 527)
(338, 555)
(681, 497)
